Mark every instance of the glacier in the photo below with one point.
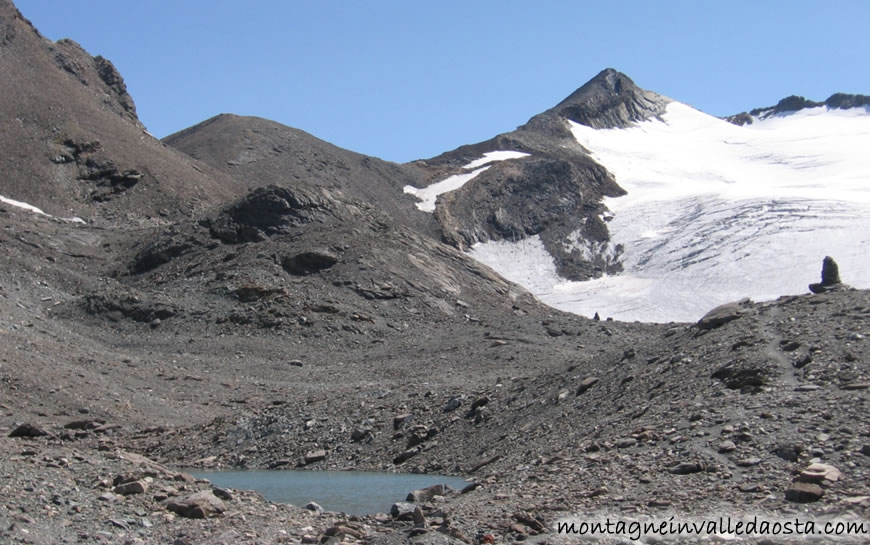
(716, 212)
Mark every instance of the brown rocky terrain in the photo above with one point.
(73, 146)
(199, 320)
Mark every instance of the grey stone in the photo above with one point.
(820, 473)
(452, 404)
(586, 384)
(627, 442)
(403, 510)
(401, 419)
(315, 456)
(727, 446)
(198, 506)
(804, 492)
(686, 468)
(720, 316)
(426, 494)
(360, 434)
(28, 430)
(789, 453)
(130, 488)
(312, 506)
(406, 455)
(222, 493)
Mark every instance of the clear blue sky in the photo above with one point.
(404, 80)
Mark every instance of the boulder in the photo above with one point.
(406, 455)
(198, 506)
(586, 383)
(315, 456)
(28, 430)
(720, 316)
(686, 468)
(452, 404)
(403, 510)
(130, 488)
(312, 506)
(426, 494)
(401, 419)
(800, 492)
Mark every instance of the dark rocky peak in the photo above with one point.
(94, 72)
(610, 100)
(97, 74)
(795, 103)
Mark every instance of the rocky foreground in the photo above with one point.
(758, 409)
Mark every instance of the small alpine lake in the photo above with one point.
(352, 492)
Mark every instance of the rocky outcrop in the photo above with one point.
(97, 72)
(113, 80)
(266, 212)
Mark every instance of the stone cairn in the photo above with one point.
(830, 277)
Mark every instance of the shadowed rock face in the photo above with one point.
(265, 212)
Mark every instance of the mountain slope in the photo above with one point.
(72, 143)
(259, 152)
(548, 187)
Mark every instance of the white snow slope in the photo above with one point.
(717, 212)
(35, 210)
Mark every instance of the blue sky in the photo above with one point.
(404, 80)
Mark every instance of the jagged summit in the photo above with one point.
(610, 100)
(795, 103)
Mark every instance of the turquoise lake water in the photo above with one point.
(352, 492)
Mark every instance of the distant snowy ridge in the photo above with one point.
(716, 212)
(792, 104)
(429, 194)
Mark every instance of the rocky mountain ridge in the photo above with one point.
(795, 103)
